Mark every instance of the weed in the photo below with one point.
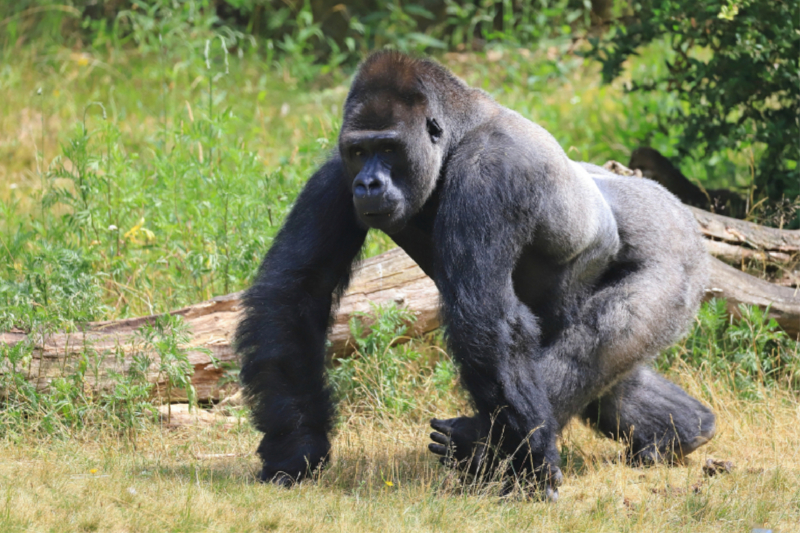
(387, 374)
(749, 354)
(167, 337)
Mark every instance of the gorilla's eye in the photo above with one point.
(388, 150)
(357, 152)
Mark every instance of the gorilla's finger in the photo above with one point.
(282, 479)
(438, 449)
(442, 426)
(441, 439)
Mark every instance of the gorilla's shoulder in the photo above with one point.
(511, 145)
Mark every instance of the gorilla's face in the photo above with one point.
(393, 159)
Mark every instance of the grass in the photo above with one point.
(383, 479)
(170, 190)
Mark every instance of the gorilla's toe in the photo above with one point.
(707, 430)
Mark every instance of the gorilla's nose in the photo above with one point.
(368, 186)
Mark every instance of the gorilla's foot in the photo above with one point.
(544, 485)
(551, 483)
(676, 444)
(460, 443)
(657, 420)
(282, 479)
(288, 477)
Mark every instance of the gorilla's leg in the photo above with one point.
(655, 418)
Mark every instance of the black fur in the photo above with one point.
(559, 281)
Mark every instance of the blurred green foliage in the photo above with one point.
(734, 68)
(320, 28)
(730, 82)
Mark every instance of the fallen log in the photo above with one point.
(737, 231)
(740, 288)
(733, 254)
(389, 277)
(646, 162)
(110, 346)
(737, 242)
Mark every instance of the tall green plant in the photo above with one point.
(750, 353)
(167, 337)
(385, 376)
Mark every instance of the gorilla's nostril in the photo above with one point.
(360, 190)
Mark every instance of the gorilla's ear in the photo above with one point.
(434, 130)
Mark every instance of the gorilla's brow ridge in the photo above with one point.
(400, 78)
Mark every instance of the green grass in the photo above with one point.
(171, 191)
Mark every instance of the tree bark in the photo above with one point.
(733, 254)
(740, 232)
(740, 288)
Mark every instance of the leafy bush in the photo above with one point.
(383, 376)
(734, 70)
(750, 353)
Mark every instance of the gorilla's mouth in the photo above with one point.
(388, 220)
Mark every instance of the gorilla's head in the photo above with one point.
(392, 140)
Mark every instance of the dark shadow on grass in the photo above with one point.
(364, 474)
(237, 470)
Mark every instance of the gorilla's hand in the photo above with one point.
(460, 443)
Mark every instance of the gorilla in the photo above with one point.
(559, 281)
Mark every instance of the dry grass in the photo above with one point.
(382, 479)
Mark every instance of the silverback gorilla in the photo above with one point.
(559, 281)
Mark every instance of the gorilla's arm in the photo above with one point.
(486, 217)
(287, 311)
